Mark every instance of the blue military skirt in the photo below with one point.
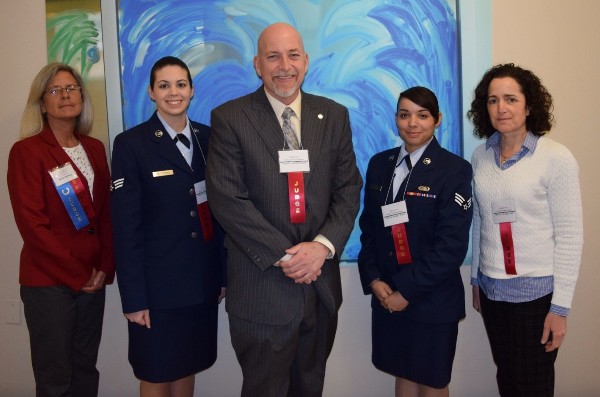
(180, 342)
(420, 352)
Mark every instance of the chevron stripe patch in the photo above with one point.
(116, 184)
(460, 200)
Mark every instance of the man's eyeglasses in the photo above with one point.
(55, 91)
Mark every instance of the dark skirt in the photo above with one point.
(422, 353)
(180, 342)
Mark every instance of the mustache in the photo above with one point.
(283, 74)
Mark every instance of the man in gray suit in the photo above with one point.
(287, 203)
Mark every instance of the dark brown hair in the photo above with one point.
(423, 97)
(537, 99)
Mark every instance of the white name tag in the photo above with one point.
(200, 188)
(293, 161)
(504, 211)
(63, 174)
(394, 214)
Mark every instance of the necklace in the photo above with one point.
(504, 158)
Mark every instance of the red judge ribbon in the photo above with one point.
(508, 248)
(401, 244)
(203, 210)
(205, 220)
(296, 197)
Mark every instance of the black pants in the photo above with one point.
(515, 331)
(64, 333)
(285, 360)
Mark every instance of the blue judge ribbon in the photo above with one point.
(68, 195)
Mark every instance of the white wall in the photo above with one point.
(22, 45)
(558, 39)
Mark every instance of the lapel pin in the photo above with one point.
(426, 161)
(158, 133)
(320, 116)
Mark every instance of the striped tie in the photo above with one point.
(288, 129)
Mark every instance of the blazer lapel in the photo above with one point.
(166, 147)
(312, 126)
(198, 162)
(387, 178)
(61, 157)
(265, 123)
(426, 163)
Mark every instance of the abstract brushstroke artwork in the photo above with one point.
(361, 54)
(74, 37)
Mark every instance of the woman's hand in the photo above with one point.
(390, 300)
(95, 283)
(396, 302)
(476, 302)
(557, 326)
(222, 294)
(381, 290)
(142, 317)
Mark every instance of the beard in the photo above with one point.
(285, 90)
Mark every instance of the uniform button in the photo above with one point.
(90, 230)
(193, 213)
(194, 235)
(192, 192)
(390, 254)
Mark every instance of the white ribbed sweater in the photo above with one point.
(548, 233)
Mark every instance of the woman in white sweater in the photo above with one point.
(527, 229)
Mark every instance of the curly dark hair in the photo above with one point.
(537, 99)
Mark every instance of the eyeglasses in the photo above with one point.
(55, 91)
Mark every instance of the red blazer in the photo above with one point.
(54, 252)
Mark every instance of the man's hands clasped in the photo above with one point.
(306, 262)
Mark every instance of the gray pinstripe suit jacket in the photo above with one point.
(249, 198)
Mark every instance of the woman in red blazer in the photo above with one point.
(58, 180)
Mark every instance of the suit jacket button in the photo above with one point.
(194, 235)
(90, 230)
(193, 213)
(390, 254)
(192, 192)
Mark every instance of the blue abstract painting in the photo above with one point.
(361, 53)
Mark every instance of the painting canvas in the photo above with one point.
(74, 37)
(362, 54)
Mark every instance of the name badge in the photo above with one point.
(63, 174)
(394, 214)
(200, 188)
(156, 174)
(504, 211)
(293, 161)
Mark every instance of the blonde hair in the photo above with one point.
(33, 120)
